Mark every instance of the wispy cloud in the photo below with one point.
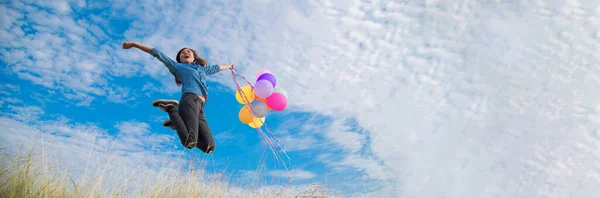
(54, 50)
(293, 143)
(24, 113)
(8, 89)
(133, 128)
(296, 174)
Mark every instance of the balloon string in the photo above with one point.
(269, 143)
(240, 74)
(247, 101)
(266, 126)
(264, 136)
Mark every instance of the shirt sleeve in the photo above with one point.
(168, 62)
(212, 69)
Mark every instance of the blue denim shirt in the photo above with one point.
(191, 76)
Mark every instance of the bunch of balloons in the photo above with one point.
(259, 99)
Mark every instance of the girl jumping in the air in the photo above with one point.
(190, 71)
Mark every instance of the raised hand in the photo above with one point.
(128, 44)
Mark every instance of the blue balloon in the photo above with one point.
(260, 108)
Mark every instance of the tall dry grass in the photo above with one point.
(28, 174)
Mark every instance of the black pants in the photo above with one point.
(191, 125)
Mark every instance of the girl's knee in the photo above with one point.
(208, 149)
(189, 145)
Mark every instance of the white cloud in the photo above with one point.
(8, 100)
(449, 102)
(8, 89)
(24, 113)
(228, 137)
(342, 135)
(293, 143)
(60, 53)
(295, 174)
(132, 128)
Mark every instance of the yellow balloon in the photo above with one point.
(245, 91)
(257, 122)
(245, 114)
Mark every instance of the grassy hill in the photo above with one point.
(28, 174)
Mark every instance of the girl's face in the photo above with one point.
(186, 56)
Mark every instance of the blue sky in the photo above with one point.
(434, 98)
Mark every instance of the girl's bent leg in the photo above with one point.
(206, 142)
(185, 120)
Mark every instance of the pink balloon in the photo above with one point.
(277, 101)
(261, 72)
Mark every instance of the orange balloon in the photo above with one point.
(245, 115)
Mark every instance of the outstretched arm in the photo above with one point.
(224, 67)
(213, 69)
(152, 51)
(129, 44)
(168, 62)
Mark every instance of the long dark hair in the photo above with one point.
(196, 57)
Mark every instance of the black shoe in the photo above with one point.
(169, 124)
(163, 104)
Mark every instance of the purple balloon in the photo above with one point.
(263, 88)
(267, 76)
